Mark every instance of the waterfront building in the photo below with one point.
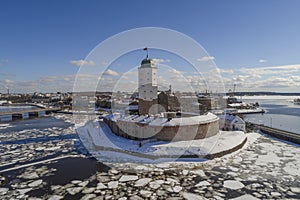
(232, 122)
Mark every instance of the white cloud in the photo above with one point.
(110, 72)
(206, 58)
(8, 81)
(295, 78)
(281, 78)
(283, 67)
(224, 71)
(174, 71)
(279, 70)
(61, 83)
(262, 60)
(82, 62)
(160, 60)
(133, 72)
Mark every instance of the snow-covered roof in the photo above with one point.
(232, 118)
(160, 121)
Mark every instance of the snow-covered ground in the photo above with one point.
(100, 141)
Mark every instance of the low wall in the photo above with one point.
(284, 135)
(274, 132)
(196, 130)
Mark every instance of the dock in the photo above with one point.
(244, 111)
(278, 133)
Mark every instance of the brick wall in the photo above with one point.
(137, 131)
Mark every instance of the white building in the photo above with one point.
(147, 80)
(232, 122)
(147, 87)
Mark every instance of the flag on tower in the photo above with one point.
(146, 49)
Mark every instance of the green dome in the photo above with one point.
(146, 61)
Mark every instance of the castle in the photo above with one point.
(152, 101)
(158, 116)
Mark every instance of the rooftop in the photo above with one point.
(161, 121)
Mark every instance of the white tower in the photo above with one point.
(147, 87)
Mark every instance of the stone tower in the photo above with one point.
(147, 87)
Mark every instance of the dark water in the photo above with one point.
(66, 170)
(82, 167)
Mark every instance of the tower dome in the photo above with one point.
(147, 61)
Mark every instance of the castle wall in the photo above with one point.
(134, 130)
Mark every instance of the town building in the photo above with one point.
(168, 101)
(232, 122)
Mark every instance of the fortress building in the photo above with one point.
(148, 102)
(158, 117)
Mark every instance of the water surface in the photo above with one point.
(281, 113)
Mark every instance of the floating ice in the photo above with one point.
(232, 184)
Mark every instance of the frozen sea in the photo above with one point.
(42, 158)
(280, 113)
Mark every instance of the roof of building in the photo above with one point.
(160, 121)
(147, 62)
(232, 118)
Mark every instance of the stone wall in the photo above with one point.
(148, 107)
(136, 131)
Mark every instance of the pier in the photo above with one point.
(25, 114)
(281, 134)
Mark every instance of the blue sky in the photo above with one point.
(249, 40)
